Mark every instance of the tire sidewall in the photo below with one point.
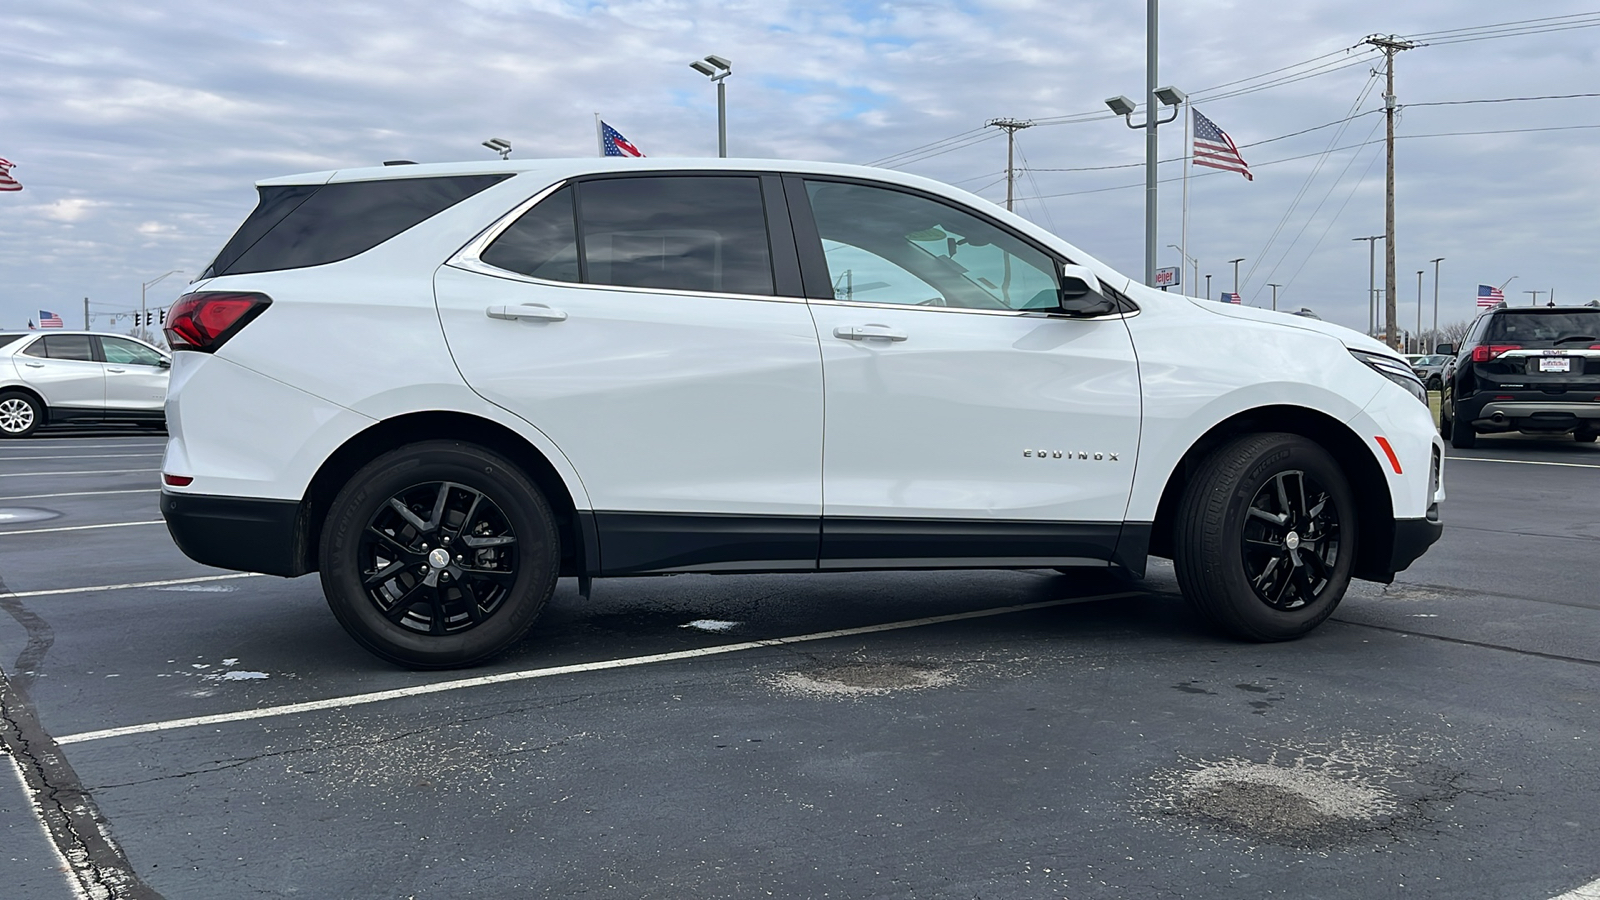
(371, 487)
(1253, 615)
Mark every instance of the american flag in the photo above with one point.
(1490, 296)
(615, 143)
(48, 319)
(1231, 298)
(7, 183)
(1213, 147)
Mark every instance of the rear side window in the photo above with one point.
(124, 351)
(62, 346)
(543, 242)
(8, 338)
(295, 226)
(685, 233)
(1576, 327)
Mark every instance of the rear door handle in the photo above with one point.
(118, 371)
(870, 332)
(34, 365)
(537, 312)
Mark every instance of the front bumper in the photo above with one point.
(242, 533)
(1412, 538)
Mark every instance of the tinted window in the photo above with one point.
(888, 246)
(690, 233)
(1574, 327)
(8, 338)
(67, 346)
(337, 221)
(124, 351)
(35, 349)
(543, 242)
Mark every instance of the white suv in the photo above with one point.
(51, 377)
(444, 386)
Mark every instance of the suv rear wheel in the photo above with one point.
(1462, 435)
(20, 415)
(439, 554)
(1266, 537)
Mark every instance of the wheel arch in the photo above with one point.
(30, 392)
(388, 434)
(1374, 505)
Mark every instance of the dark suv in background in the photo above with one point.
(1535, 370)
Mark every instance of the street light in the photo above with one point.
(1436, 297)
(1274, 293)
(1419, 311)
(1208, 285)
(717, 69)
(1372, 275)
(1236, 276)
(1193, 285)
(499, 146)
(145, 287)
(1122, 106)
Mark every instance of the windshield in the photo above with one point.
(1534, 327)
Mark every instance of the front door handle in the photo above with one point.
(870, 332)
(536, 312)
(118, 371)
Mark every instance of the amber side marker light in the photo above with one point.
(1389, 451)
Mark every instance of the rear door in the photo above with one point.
(62, 368)
(136, 380)
(652, 326)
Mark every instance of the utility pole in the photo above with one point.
(1236, 275)
(1390, 46)
(1372, 281)
(1011, 126)
(1436, 297)
(1274, 293)
(1208, 286)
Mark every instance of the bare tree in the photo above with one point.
(1455, 332)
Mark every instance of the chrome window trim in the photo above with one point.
(1011, 313)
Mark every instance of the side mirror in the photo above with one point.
(164, 363)
(1080, 293)
(1445, 349)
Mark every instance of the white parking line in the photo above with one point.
(4, 458)
(48, 474)
(97, 588)
(290, 709)
(85, 527)
(81, 494)
(1524, 462)
(66, 867)
(1590, 891)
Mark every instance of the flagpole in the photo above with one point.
(599, 136)
(1188, 151)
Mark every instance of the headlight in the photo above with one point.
(1396, 370)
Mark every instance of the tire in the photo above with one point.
(1584, 437)
(1462, 435)
(398, 596)
(20, 415)
(1229, 553)
(1435, 383)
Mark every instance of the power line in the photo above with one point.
(1522, 22)
(1499, 100)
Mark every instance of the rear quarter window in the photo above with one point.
(295, 226)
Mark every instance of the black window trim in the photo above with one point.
(781, 239)
(814, 264)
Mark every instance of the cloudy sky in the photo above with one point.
(138, 130)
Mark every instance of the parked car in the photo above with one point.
(444, 386)
(1532, 369)
(1430, 369)
(77, 376)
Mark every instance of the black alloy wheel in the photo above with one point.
(438, 558)
(1266, 536)
(438, 555)
(1290, 540)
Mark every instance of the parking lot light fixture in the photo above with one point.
(502, 147)
(718, 68)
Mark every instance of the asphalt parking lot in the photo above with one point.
(183, 732)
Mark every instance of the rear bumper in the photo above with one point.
(242, 533)
(1412, 538)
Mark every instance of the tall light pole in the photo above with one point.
(1274, 293)
(1372, 282)
(1235, 263)
(1419, 312)
(1208, 285)
(717, 69)
(1122, 106)
(1436, 297)
(142, 288)
(1194, 286)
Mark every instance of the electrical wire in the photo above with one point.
(1500, 100)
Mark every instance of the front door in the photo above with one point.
(641, 323)
(136, 380)
(968, 419)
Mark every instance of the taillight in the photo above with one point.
(1486, 353)
(206, 320)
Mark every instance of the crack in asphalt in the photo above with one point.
(1484, 644)
(70, 816)
(1565, 537)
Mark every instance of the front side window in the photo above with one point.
(889, 246)
(122, 351)
(682, 233)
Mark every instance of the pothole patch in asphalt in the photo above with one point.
(862, 679)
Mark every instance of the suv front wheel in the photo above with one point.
(439, 554)
(1266, 537)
